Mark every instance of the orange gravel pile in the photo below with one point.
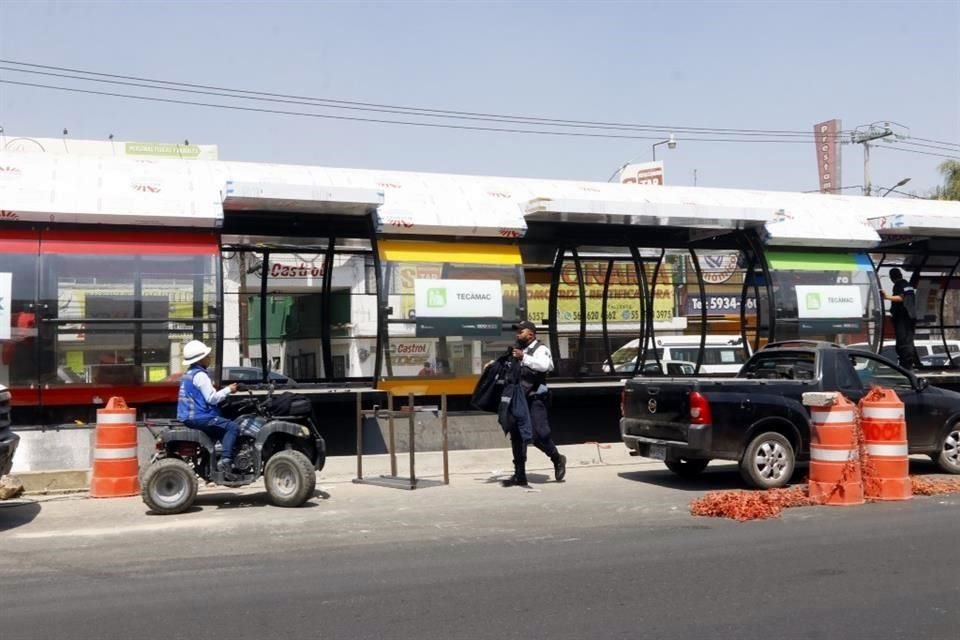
(749, 505)
(927, 487)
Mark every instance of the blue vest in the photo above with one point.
(191, 405)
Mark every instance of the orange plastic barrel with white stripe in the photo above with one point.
(115, 467)
(887, 473)
(835, 477)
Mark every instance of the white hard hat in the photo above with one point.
(195, 351)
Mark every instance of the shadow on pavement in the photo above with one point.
(725, 477)
(225, 500)
(16, 513)
(926, 468)
(532, 478)
(391, 482)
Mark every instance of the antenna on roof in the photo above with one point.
(65, 134)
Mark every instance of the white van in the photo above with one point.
(721, 354)
(931, 352)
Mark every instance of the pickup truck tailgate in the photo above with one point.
(658, 409)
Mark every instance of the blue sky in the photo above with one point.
(756, 65)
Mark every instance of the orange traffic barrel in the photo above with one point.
(835, 477)
(887, 470)
(115, 468)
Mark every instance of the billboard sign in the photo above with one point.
(827, 139)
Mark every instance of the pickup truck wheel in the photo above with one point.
(949, 457)
(687, 468)
(768, 461)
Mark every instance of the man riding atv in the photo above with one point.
(197, 402)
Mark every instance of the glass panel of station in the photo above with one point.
(933, 269)
(613, 312)
(443, 353)
(93, 315)
(830, 296)
(298, 310)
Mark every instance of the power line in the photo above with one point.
(397, 111)
(434, 125)
(923, 153)
(950, 144)
(387, 108)
(929, 146)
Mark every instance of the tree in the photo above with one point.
(950, 169)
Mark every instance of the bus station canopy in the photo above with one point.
(646, 213)
(46, 187)
(904, 219)
(300, 198)
(52, 188)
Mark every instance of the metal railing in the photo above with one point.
(410, 413)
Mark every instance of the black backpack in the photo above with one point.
(910, 302)
(290, 404)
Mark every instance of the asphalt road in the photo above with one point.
(612, 553)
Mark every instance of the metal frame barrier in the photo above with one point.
(410, 412)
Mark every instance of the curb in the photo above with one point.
(428, 464)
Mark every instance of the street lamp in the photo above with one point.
(899, 184)
(670, 142)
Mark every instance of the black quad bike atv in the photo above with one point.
(278, 439)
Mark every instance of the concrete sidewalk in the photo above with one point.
(428, 466)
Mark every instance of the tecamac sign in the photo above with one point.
(458, 307)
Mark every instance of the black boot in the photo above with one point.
(560, 467)
(516, 481)
(519, 477)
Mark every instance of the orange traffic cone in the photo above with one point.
(115, 468)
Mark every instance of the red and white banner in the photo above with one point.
(827, 139)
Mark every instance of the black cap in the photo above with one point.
(525, 324)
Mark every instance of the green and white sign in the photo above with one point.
(829, 301)
(458, 307)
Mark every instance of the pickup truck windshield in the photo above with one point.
(780, 365)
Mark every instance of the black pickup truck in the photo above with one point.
(758, 419)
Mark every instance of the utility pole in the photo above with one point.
(872, 132)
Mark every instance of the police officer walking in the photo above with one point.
(535, 363)
(903, 312)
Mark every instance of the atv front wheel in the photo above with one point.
(169, 486)
(290, 478)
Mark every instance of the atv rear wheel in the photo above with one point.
(169, 486)
(290, 478)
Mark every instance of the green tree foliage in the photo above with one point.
(950, 169)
